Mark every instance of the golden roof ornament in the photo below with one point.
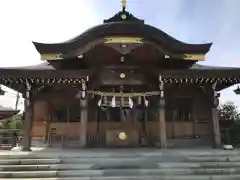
(124, 3)
(123, 15)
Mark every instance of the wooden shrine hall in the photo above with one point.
(122, 83)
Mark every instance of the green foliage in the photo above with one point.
(14, 122)
(229, 112)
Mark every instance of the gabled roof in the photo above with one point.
(127, 26)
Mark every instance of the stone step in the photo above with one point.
(147, 172)
(151, 160)
(29, 161)
(46, 167)
(118, 153)
(198, 164)
(213, 159)
(110, 157)
(178, 177)
(120, 172)
(188, 162)
(109, 166)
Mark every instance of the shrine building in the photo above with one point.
(122, 83)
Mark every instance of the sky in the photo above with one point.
(191, 21)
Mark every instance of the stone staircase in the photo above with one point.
(123, 165)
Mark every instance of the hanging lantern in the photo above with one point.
(237, 91)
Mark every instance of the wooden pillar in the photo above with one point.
(28, 120)
(215, 119)
(49, 119)
(162, 123)
(83, 116)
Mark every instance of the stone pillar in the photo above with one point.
(83, 117)
(162, 123)
(215, 120)
(28, 121)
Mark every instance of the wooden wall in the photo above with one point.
(199, 126)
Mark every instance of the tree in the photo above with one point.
(229, 112)
(14, 122)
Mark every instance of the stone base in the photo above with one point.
(228, 147)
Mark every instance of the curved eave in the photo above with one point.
(123, 29)
(224, 76)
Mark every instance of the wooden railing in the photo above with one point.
(96, 140)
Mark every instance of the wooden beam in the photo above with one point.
(162, 120)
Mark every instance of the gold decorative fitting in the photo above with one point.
(167, 56)
(122, 59)
(123, 16)
(122, 136)
(51, 56)
(123, 40)
(195, 57)
(124, 4)
(122, 75)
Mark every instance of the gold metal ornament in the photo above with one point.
(122, 75)
(196, 57)
(51, 56)
(124, 4)
(122, 136)
(123, 40)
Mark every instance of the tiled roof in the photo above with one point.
(6, 109)
(42, 66)
(206, 67)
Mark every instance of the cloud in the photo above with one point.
(45, 21)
